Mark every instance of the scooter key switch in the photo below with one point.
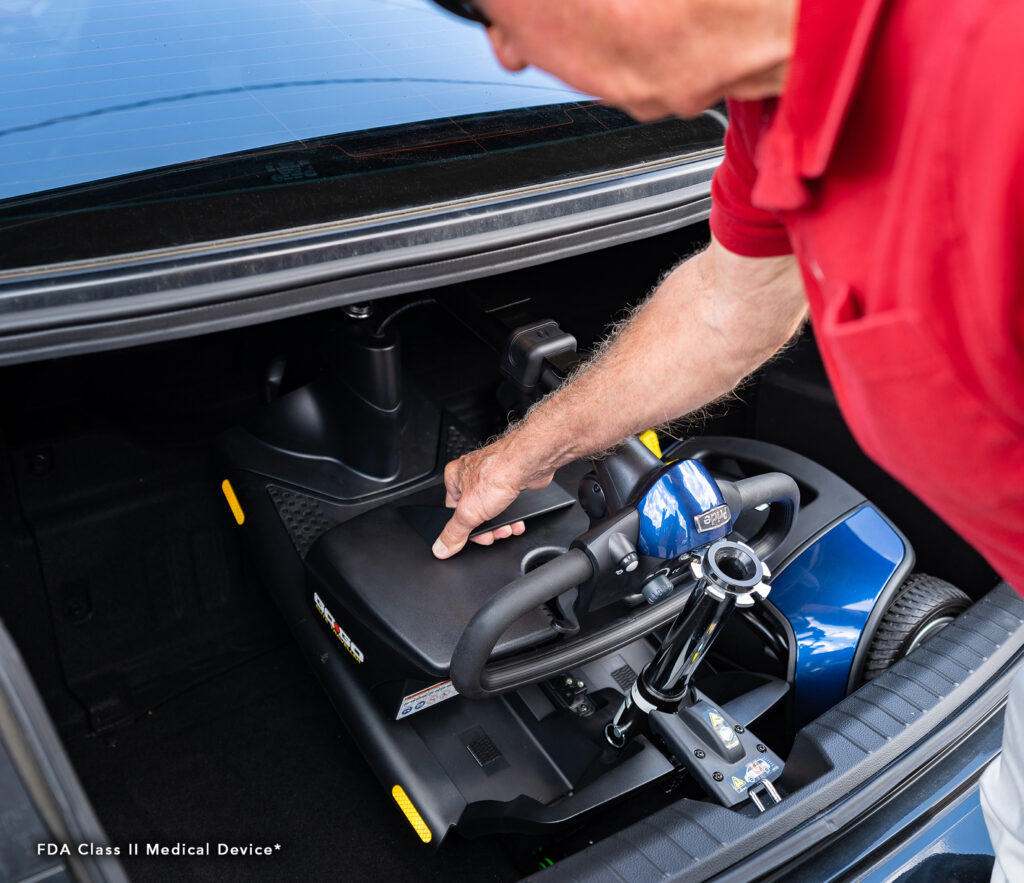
(623, 552)
(656, 589)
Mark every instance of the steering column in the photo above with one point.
(726, 758)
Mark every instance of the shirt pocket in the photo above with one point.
(890, 345)
(912, 412)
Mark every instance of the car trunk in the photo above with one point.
(190, 715)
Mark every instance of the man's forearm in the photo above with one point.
(712, 321)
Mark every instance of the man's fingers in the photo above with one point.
(453, 537)
(476, 496)
(499, 533)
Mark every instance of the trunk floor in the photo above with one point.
(256, 755)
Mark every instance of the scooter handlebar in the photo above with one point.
(511, 602)
(474, 678)
(777, 490)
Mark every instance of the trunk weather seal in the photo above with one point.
(42, 312)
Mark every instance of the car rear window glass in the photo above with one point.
(129, 125)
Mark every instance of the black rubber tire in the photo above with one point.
(921, 600)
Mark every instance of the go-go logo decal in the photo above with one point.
(339, 632)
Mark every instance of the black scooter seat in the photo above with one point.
(402, 606)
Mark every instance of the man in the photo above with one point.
(872, 178)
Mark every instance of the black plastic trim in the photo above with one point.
(525, 815)
(64, 310)
(46, 773)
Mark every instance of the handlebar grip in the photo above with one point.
(505, 607)
(774, 488)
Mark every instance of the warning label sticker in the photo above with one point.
(760, 768)
(426, 698)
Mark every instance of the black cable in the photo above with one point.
(403, 309)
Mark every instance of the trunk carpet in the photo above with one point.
(256, 755)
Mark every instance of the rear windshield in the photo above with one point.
(129, 125)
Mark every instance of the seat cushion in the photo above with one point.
(378, 569)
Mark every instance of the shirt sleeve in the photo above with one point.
(735, 222)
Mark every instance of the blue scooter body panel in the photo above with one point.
(828, 593)
(672, 510)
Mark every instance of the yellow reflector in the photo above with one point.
(415, 819)
(229, 495)
(650, 438)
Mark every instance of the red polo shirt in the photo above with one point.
(893, 168)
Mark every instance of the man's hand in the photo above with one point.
(481, 485)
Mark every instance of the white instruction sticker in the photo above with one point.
(426, 698)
